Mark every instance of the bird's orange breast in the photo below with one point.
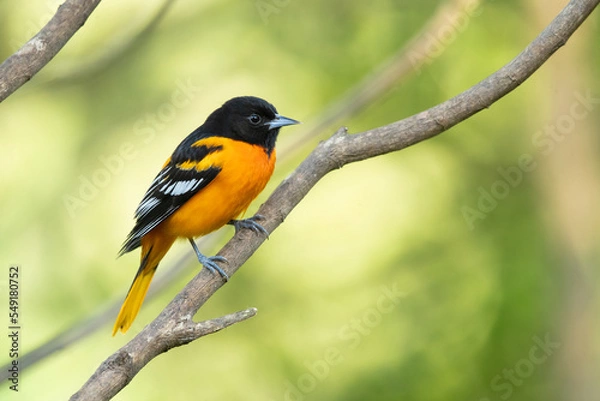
(245, 171)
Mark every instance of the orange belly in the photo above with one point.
(244, 174)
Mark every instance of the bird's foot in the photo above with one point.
(210, 262)
(250, 224)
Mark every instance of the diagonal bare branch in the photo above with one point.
(329, 155)
(123, 365)
(374, 85)
(407, 60)
(35, 54)
(116, 49)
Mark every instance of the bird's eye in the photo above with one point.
(255, 119)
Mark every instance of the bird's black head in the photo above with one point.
(249, 119)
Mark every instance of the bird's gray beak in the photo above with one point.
(281, 121)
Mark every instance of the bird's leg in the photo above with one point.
(250, 224)
(210, 261)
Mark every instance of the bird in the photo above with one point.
(208, 182)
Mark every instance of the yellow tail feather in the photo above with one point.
(132, 304)
(154, 248)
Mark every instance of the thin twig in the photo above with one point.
(35, 54)
(111, 53)
(329, 155)
(179, 333)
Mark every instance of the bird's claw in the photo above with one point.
(251, 224)
(210, 264)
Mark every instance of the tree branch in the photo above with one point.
(35, 54)
(118, 370)
(377, 82)
(329, 155)
(115, 50)
(408, 59)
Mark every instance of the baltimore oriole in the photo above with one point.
(210, 180)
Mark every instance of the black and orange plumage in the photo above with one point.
(209, 181)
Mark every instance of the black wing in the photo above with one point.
(171, 188)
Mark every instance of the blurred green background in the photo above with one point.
(463, 268)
